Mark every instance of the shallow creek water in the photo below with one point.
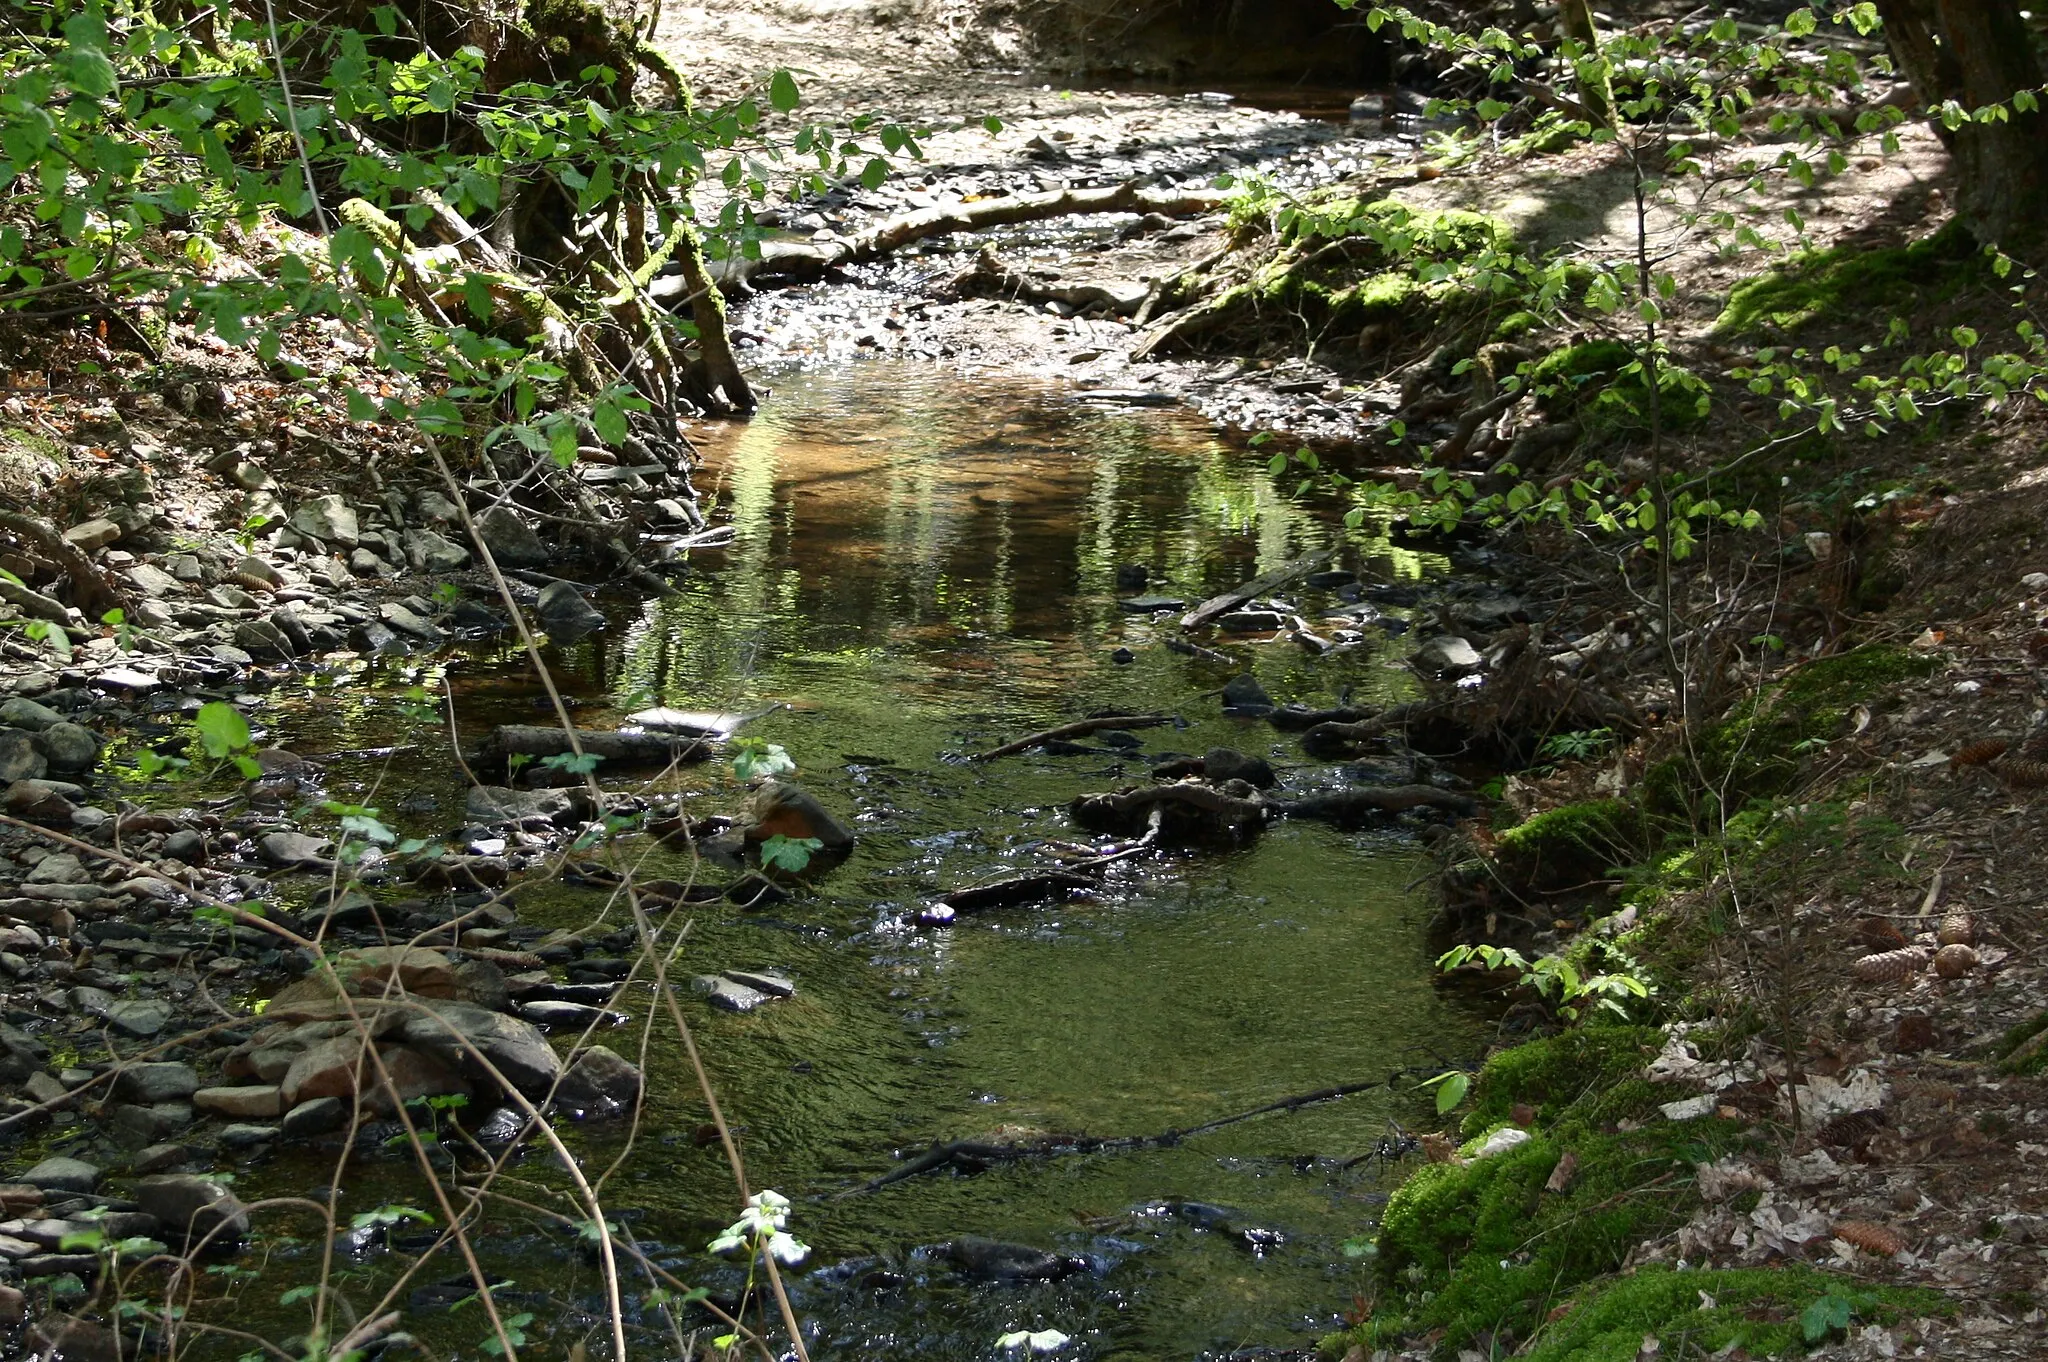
(924, 567)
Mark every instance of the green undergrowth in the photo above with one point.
(1601, 383)
(1764, 1312)
(1843, 279)
(1758, 750)
(1484, 1247)
(2024, 1049)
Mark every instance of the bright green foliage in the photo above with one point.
(1574, 843)
(1762, 1311)
(1845, 279)
(1482, 1245)
(1571, 1070)
(1604, 382)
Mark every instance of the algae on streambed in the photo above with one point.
(925, 565)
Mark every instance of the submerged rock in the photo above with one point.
(781, 809)
(193, 1208)
(997, 1261)
(563, 612)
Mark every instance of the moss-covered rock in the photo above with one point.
(1844, 279)
(1557, 1074)
(1603, 383)
(1572, 844)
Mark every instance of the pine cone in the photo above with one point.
(1957, 929)
(2022, 775)
(1953, 962)
(1890, 967)
(1979, 753)
(1879, 1239)
(1879, 934)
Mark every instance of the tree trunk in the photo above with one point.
(722, 374)
(2001, 166)
(1978, 53)
(1595, 91)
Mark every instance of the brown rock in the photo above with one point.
(412, 1075)
(74, 1340)
(781, 809)
(244, 1104)
(333, 1068)
(419, 970)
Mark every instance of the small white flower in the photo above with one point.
(786, 1249)
(1044, 1341)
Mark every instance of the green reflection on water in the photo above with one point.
(923, 566)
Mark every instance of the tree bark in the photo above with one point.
(1596, 91)
(1979, 53)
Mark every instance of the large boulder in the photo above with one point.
(460, 1034)
(328, 519)
(194, 1209)
(599, 1083)
(563, 612)
(511, 540)
(68, 747)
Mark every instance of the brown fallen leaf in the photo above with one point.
(1438, 1147)
(1562, 1175)
(1523, 1115)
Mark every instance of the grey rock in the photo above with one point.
(1227, 763)
(407, 622)
(726, 994)
(186, 845)
(70, 748)
(781, 808)
(160, 1158)
(431, 505)
(193, 1208)
(329, 519)
(263, 639)
(93, 534)
(58, 868)
(19, 757)
(185, 567)
(1243, 694)
(147, 1125)
(62, 1175)
(431, 552)
(599, 1081)
(364, 563)
(550, 1012)
(500, 804)
(994, 1260)
(1250, 621)
(515, 1048)
(157, 1082)
(241, 1135)
(293, 629)
(20, 1054)
(511, 540)
(289, 849)
(1447, 654)
(94, 1002)
(1145, 605)
(154, 581)
(767, 981)
(72, 1339)
(316, 1117)
(20, 712)
(140, 1017)
(564, 613)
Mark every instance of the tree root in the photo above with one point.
(93, 595)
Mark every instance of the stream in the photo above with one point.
(925, 565)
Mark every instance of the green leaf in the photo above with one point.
(609, 422)
(788, 853)
(222, 729)
(1452, 1091)
(782, 91)
(874, 172)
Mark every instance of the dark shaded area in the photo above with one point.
(1191, 41)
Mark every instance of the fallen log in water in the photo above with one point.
(811, 259)
(1253, 589)
(1079, 728)
(1040, 886)
(1184, 812)
(1351, 807)
(613, 747)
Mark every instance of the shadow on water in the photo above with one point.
(926, 565)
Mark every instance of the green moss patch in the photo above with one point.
(1565, 1073)
(1764, 1312)
(1847, 278)
(1573, 843)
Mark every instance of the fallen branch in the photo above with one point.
(988, 277)
(1339, 739)
(1039, 886)
(94, 596)
(801, 260)
(1081, 728)
(1256, 587)
(973, 1155)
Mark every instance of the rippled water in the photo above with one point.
(925, 566)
